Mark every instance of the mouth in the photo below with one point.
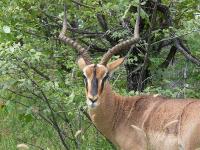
(91, 104)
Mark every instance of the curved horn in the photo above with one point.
(81, 50)
(123, 45)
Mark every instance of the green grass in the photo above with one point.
(16, 130)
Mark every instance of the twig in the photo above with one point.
(103, 24)
(46, 100)
(70, 126)
(19, 94)
(175, 37)
(84, 5)
(37, 71)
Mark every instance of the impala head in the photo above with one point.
(95, 78)
(96, 75)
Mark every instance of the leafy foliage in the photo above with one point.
(41, 85)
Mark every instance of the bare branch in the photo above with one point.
(169, 58)
(186, 53)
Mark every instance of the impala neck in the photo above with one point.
(103, 116)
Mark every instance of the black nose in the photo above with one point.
(93, 100)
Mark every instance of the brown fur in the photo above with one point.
(145, 122)
(167, 123)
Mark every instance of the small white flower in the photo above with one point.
(22, 146)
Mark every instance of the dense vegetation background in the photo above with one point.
(42, 102)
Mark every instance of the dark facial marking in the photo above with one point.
(103, 81)
(85, 81)
(94, 83)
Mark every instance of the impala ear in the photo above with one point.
(115, 64)
(81, 63)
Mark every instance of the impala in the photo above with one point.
(138, 122)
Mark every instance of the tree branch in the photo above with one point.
(146, 58)
(177, 41)
(187, 54)
(37, 71)
(103, 23)
(169, 58)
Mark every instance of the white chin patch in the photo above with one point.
(90, 104)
